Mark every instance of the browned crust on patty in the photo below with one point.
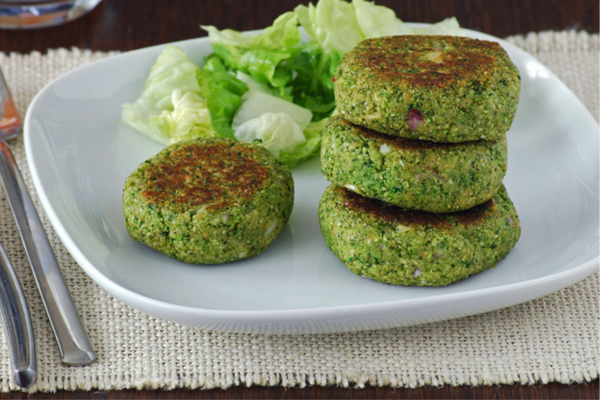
(384, 212)
(216, 174)
(397, 141)
(429, 60)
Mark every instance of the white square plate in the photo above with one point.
(80, 155)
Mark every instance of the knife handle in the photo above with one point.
(73, 342)
(17, 322)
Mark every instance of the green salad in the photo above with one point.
(272, 88)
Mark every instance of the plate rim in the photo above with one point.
(556, 279)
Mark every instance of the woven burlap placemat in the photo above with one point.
(554, 338)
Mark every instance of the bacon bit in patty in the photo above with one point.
(415, 119)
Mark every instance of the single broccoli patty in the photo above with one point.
(208, 201)
(439, 88)
(416, 174)
(406, 247)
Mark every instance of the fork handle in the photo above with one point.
(73, 342)
(17, 322)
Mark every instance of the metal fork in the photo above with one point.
(73, 342)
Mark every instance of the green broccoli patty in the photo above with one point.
(415, 248)
(208, 201)
(416, 174)
(439, 88)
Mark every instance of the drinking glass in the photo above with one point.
(30, 14)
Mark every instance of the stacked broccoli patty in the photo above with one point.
(441, 88)
(416, 174)
(417, 159)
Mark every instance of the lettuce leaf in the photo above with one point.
(261, 56)
(172, 70)
(332, 24)
(339, 25)
(312, 86)
(261, 87)
(223, 93)
(449, 26)
(308, 149)
(376, 21)
(181, 100)
(273, 122)
(255, 103)
(276, 132)
(189, 119)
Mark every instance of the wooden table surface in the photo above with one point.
(132, 24)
